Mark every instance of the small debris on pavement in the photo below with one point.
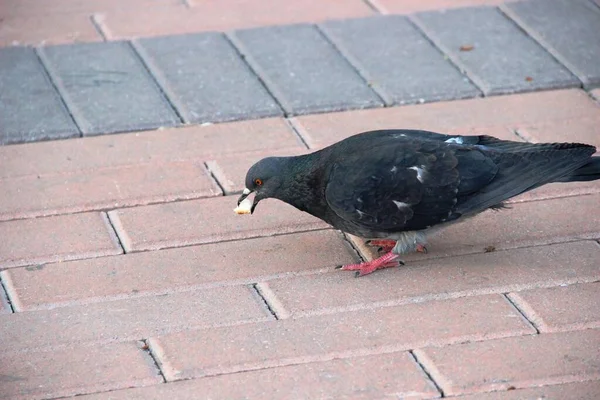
(490, 249)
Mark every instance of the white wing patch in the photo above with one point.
(420, 172)
(401, 204)
(457, 140)
(394, 169)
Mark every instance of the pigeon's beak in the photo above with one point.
(245, 194)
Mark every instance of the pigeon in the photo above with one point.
(394, 187)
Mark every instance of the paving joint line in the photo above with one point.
(520, 25)
(71, 396)
(295, 129)
(520, 311)
(447, 57)
(147, 349)
(187, 4)
(108, 209)
(434, 297)
(217, 284)
(595, 99)
(374, 6)
(354, 66)
(352, 246)
(214, 178)
(127, 337)
(225, 240)
(521, 135)
(58, 86)
(6, 296)
(115, 232)
(256, 70)
(99, 27)
(515, 132)
(261, 292)
(161, 83)
(462, 68)
(427, 373)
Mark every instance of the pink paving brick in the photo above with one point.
(318, 139)
(561, 308)
(170, 270)
(73, 371)
(130, 319)
(413, 6)
(105, 188)
(230, 170)
(517, 362)
(46, 30)
(194, 143)
(498, 111)
(62, 238)
(394, 375)
(23, 8)
(572, 391)
(475, 274)
(523, 225)
(320, 338)
(205, 221)
(555, 190)
(227, 15)
(581, 130)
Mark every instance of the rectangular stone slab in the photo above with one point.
(498, 56)
(30, 107)
(303, 70)
(398, 61)
(569, 29)
(206, 78)
(107, 88)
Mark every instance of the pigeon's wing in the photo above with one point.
(521, 169)
(404, 186)
(414, 184)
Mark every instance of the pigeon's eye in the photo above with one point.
(258, 182)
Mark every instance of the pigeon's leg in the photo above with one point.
(384, 245)
(386, 261)
(421, 249)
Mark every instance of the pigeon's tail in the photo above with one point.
(588, 172)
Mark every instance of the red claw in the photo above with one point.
(386, 261)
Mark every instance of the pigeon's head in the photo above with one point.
(263, 179)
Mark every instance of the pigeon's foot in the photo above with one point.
(421, 249)
(384, 245)
(386, 261)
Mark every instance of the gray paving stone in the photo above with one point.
(496, 54)
(206, 78)
(107, 88)
(30, 107)
(400, 64)
(569, 29)
(303, 70)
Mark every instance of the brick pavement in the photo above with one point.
(125, 274)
